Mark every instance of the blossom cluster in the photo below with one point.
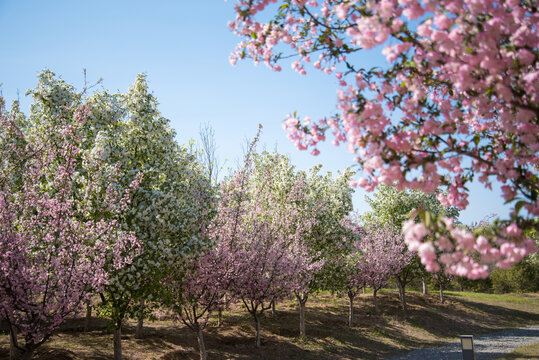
(457, 100)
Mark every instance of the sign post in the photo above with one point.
(468, 350)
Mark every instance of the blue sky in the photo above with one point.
(183, 46)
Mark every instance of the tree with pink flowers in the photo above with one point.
(266, 270)
(351, 278)
(392, 208)
(383, 254)
(50, 259)
(269, 252)
(198, 289)
(257, 256)
(309, 208)
(456, 102)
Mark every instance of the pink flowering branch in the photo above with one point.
(457, 101)
(460, 253)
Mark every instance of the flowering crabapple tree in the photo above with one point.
(456, 102)
(383, 254)
(351, 278)
(329, 201)
(308, 207)
(295, 211)
(265, 270)
(261, 223)
(50, 260)
(167, 209)
(198, 289)
(442, 281)
(125, 137)
(392, 208)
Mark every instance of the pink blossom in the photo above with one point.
(439, 114)
(513, 230)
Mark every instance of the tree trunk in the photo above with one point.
(88, 318)
(302, 300)
(364, 290)
(118, 341)
(28, 353)
(14, 350)
(140, 321)
(257, 324)
(404, 305)
(302, 331)
(425, 288)
(442, 293)
(351, 310)
(402, 295)
(219, 316)
(201, 346)
(376, 308)
(273, 308)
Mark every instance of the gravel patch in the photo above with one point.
(487, 346)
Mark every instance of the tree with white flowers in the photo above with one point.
(168, 209)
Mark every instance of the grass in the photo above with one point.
(528, 352)
(527, 299)
(427, 323)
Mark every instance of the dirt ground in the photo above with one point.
(427, 323)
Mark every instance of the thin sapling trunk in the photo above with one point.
(302, 300)
(351, 296)
(14, 349)
(201, 346)
(140, 321)
(257, 325)
(28, 352)
(256, 310)
(442, 299)
(118, 340)
(402, 293)
(375, 299)
(88, 318)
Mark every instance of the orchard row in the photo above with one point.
(98, 199)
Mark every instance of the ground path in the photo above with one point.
(487, 346)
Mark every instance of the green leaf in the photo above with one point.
(519, 205)
(476, 139)
(428, 219)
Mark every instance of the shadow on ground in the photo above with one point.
(426, 324)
